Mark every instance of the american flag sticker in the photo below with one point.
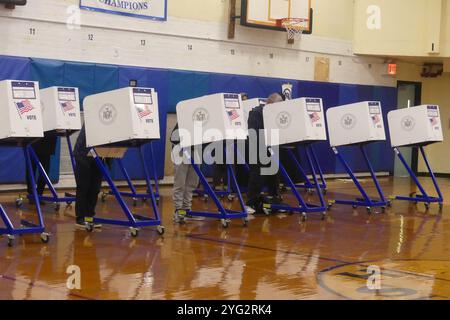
(434, 121)
(376, 119)
(67, 106)
(314, 117)
(143, 112)
(24, 106)
(233, 115)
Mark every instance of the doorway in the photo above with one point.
(409, 94)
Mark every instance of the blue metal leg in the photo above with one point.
(365, 201)
(433, 177)
(54, 197)
(223, 213)
(127, 177)
(307, 184)
(423, 197)
(149, 184)
(313, 172)
(319, 168)
(373, 175)
(303, 207)
(133, 220)
(155, 173)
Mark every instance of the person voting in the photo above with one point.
(256, 180)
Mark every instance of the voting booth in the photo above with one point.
(20, 125)
(294, 121)
(417, 127)
(61, 117)
(212, 119)
(355, 123)
(358, 124)
(289, 124)
(250, 104)
(121, 116)
(20, 105)
(117, 120)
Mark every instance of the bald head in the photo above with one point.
(274, 98)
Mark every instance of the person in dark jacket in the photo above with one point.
(44, 149)
(88, 177)
(256, 180)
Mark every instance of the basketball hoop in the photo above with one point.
(293, 26)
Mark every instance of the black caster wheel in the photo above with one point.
(369, 210)
(134, 232)
(310, 191)
(303, 218)
(389, 204)
(69, 203)
(230, 198)
(441, 206)
(383, 209)
(323, 216)
(10, 240)
(245, 222)
(205, 198)
(354, 206)
(145, 200)
(427, 206)
(19, 203)
(324, 191)
(160, 230)
(181, 220)
(57, 206)
(45, 237)
(225, 223)
(134, 202)
(103, 197)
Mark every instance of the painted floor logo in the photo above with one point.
(398, 280)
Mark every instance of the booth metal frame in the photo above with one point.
(54, 198)
(303, 207)
(423, 197)
(134, 221)
(225, 215)
(366, 200)
(27, 227)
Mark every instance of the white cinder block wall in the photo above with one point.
(117, 40)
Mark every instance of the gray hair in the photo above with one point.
(274, 98)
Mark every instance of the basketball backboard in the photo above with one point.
(264, 13)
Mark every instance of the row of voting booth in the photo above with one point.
(129, 118)
(114, 121)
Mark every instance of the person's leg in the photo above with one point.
(82, 177)
(191, 183)
(254, 186)
(95, 187)
(180, 173)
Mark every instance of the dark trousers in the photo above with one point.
(45, 161)
(89, 181)
(256, 181)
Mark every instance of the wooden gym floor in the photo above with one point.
(275, 257)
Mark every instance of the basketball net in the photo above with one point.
(294, 27)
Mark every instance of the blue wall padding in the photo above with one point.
(49, 73)
(174, 86)
(187, 85)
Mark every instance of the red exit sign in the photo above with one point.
(392, 69)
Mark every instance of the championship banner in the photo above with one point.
(144, 9)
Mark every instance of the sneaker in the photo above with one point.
(250, 210)
(194, 218)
